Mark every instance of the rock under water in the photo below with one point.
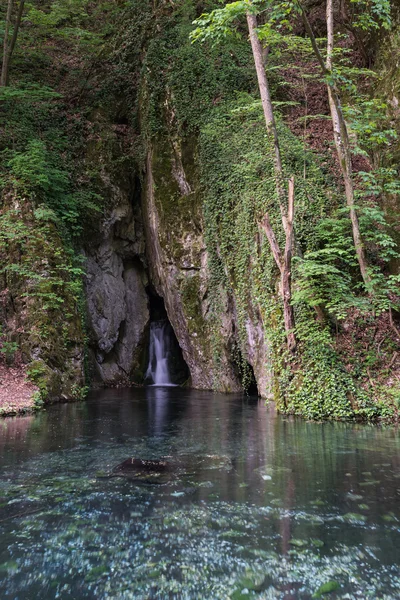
(145, 471)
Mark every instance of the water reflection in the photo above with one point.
(251, 493)
(159, 410)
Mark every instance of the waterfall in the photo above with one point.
(159, 353)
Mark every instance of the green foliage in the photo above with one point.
(180, 83)
(368, 120)
(37, 373)
(69, 20)
(38, 401)
(7, 347)
(372, 14)
(52, 274)
(36, 171)
(321, 388)
(80, 392)
(40, 165)
(221, 23)
(29, 92)
(239, 187)
(43, 213)
(326, 275)
(31, 171)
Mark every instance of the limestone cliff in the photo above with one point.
(177, 260)
(177, 256)
(116, 279)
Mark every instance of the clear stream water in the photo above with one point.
(254, 506)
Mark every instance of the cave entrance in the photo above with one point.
(245, 374)
(251, 387)
(166, 365)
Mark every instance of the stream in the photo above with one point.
(251, 504)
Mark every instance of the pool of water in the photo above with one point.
(254, 505)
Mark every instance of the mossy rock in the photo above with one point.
(326, 588)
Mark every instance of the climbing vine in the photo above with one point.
(239, 187)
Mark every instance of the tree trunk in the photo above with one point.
(340, 134)
(258, 56)
(5, 63)
(14, 37)
(284, 262)
(286, 275)
(8, 49)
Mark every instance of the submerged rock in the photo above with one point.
(145, 471)
(165, 470)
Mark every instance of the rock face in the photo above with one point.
(178, 265)
(154, 236)
(117, 302)
(144, 471)
(177, 258)
(118, 314)
(44, 325)
(257, 354)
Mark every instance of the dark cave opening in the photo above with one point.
(245, 373)
(251, 388)
(156, 305)
(135, 195)
(166, 365)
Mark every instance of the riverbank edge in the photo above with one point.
(35, 405)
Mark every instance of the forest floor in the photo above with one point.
(374, 344)
(16, 392)
(368, 340)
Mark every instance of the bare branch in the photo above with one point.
(273, 242)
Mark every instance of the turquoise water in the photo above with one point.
(254, 505)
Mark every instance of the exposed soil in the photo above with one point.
(376, 343)
(16, 392)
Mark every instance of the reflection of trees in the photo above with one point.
(309, 462)
(14, 432)
(328, 464)
(55, 428)
(228, 426)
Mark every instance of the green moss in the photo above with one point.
(326, 588)
(238, 181)
(180, 215)
(191, 302)
(44, 281)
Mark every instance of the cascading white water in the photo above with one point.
(159, 353)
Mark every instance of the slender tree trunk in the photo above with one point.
(258, 56)
(14, 37)
(284, 262)
(4, 67)
(286, 276)
(340, 134)
(8, 48)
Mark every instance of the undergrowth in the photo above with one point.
(239, 187)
